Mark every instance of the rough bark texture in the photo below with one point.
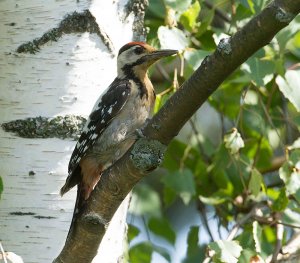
(114, 185)
(56, 58)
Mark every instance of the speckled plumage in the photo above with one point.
(110, 129)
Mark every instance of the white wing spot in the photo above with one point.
(110, 110)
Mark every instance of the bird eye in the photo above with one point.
(138, 50)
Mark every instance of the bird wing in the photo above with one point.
(105, 110)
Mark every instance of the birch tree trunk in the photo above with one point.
(56, 58)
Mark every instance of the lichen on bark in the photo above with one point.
(64, 127)
(72, 23)
(147, 154)
(138, 7)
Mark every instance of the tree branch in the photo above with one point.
(147, 153)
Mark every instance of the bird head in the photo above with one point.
(136, 57)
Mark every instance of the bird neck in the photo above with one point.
(139, 75)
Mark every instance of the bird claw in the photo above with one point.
(139, 133)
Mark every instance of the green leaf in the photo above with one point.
(174, 156)
(172, 38)
(169, 196)
(207, 40)
(195, 251)
(294, 158)
(145, 201)
(282, 38)
(189, 17)
(163, 252)
(158, 103)
(291, 178)
(182, 182)
(248, 4)
(161, 100)
(227, 98)
(291, 217)
(294, 45)
(233, 141)
(178, 5)
(132, 232)
(162, 228)
(1, 186)
(242, 12)
(259, 69)
(287, 34)
(195, 57)
(255, 182)
(297, 195)
(205, 25)
(248, 256)
(216, 198)
(253, 123)
(222, 181)
(254, 5)
(141, 252)
(156, 9)
(295, 145)
(226, 251)
(192, 241)
(289, 86)
(281, 202)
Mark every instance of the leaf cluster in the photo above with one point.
(247, 170)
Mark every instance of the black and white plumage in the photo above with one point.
(110, 128)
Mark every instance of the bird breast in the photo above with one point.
(118, 137)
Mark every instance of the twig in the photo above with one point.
(257, 152)
(235, 229)
(279, 236)
(162, 71)
(242, 221)
(289, 136)
(287, 224)
(294, 66)
(276, 163)
(289, 252)
(196, 132)
(202, 210)
(3, 253)
(217, 11)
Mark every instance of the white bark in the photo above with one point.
(63, 77)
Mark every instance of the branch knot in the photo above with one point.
(147, 154)
(224, 46)
(283, 16)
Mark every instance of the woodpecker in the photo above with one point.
(117, 114)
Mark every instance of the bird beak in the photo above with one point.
(158, 54)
